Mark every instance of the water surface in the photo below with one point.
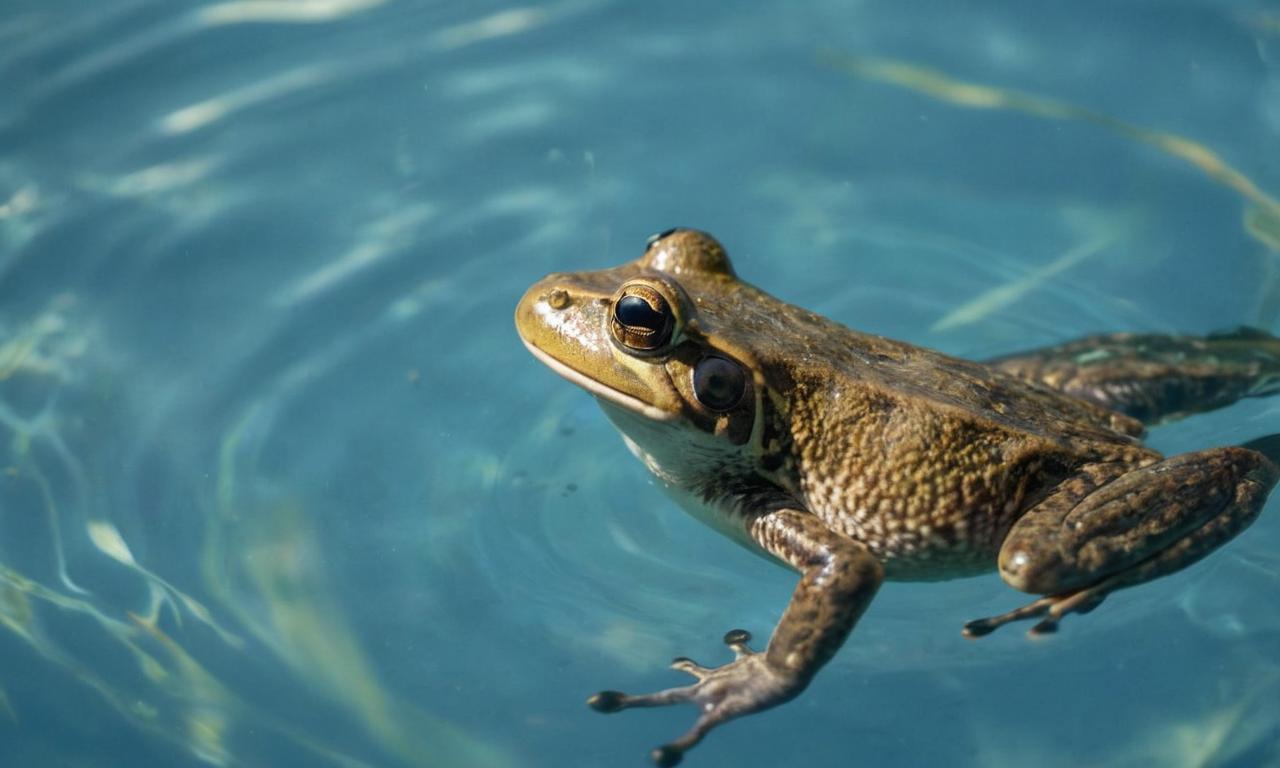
(280, 486)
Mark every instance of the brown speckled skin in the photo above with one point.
(927, 459)
(854, 458)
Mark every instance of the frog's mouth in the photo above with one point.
(633, 404)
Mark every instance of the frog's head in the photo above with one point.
(667, 344)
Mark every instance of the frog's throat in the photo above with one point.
(634, 404)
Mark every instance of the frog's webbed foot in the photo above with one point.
(839, 578)
(1051, 607)
(745, 685)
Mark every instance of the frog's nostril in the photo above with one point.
(558, 298)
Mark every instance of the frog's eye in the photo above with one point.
(642, 318)
(719, 383)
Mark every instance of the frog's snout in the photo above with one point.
(544, 298)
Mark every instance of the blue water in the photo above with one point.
(279, 485)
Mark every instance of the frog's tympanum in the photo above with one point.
(853, 458)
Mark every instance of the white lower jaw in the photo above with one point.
(632, 404)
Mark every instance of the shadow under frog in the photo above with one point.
(853, 458)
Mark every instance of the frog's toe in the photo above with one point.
(672, 753)
(745, 685)
(980, 627)
(1043, 627)
(684, 664)
(1049, 609)
(667, 755)
(737, 639)
(609, 702)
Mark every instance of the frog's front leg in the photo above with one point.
(839, 579)
(1100, 532)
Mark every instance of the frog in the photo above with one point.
(852, 458)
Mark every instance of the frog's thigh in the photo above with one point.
(1142, 524)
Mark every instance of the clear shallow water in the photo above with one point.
(281, 487)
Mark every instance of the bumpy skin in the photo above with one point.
(853, 458)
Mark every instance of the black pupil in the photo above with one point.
(718, 383)
(635, 312)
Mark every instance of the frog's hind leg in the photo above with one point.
(1094, 536)
(1154, 377)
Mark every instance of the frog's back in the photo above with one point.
(970, 390)
(794, 342)
(926, 458)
